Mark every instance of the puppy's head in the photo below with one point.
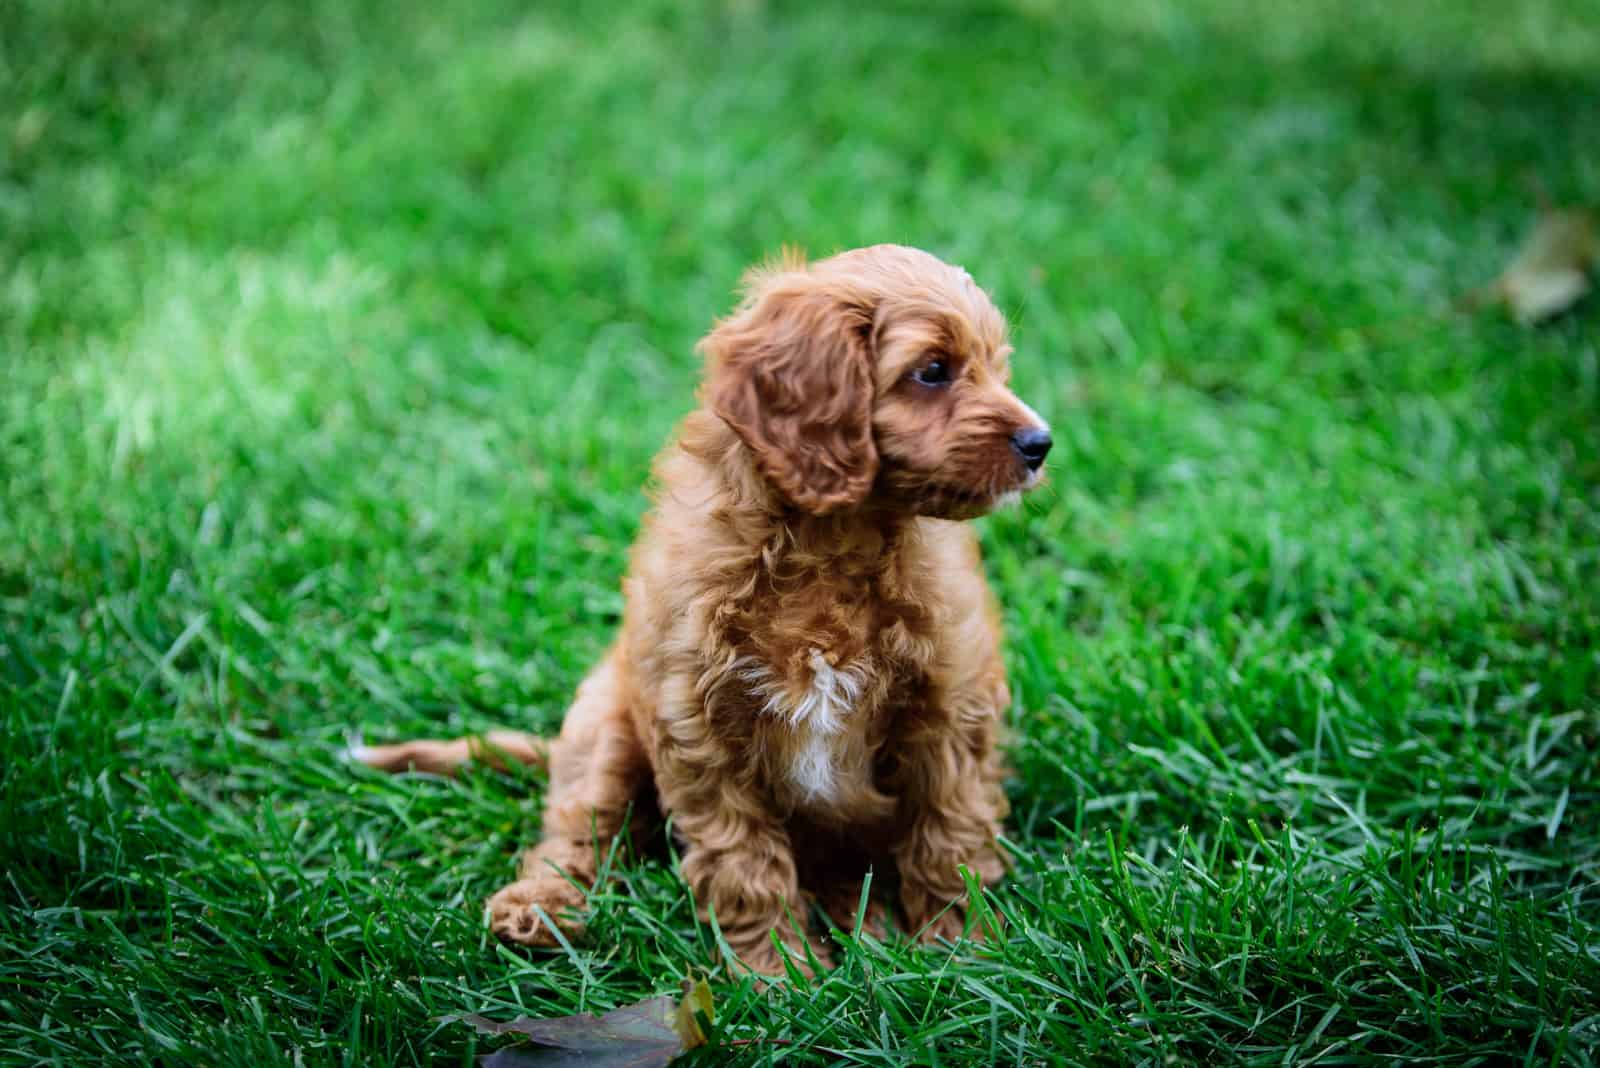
(877, 376)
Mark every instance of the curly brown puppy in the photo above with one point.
(809, 668)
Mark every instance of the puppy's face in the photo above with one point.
(952, 438)
(878, 376)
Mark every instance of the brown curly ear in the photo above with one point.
(790, 372)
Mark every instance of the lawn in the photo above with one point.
(336, 339)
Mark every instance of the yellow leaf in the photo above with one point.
(1550, 272)
(696, 998)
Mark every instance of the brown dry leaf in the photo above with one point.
(1550, 271)
(643, 1035)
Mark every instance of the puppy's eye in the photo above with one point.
(932, 373)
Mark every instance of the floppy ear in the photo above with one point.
(791, 373)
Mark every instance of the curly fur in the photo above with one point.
(809, 671)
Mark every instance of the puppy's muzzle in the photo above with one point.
(1032, 445)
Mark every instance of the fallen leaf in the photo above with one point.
(647, 1034)
(1550, 271)
(696, 999)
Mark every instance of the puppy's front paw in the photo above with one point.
(768, 964)
(514, 910)
(757, 952)
(951, 925)
(946, 926)
(842, 906)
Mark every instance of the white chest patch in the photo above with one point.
(818, 716)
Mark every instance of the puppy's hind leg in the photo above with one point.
(597, 769)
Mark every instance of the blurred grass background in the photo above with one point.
(336, 340)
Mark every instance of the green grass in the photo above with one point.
(336, 338)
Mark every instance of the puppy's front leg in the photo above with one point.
(738, 859)
(952, 805)
(744, 872)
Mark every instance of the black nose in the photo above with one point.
(1032, 445)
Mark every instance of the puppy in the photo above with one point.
(808, 673)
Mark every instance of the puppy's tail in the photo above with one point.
(446, 757)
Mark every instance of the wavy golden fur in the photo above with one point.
(809, 668)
